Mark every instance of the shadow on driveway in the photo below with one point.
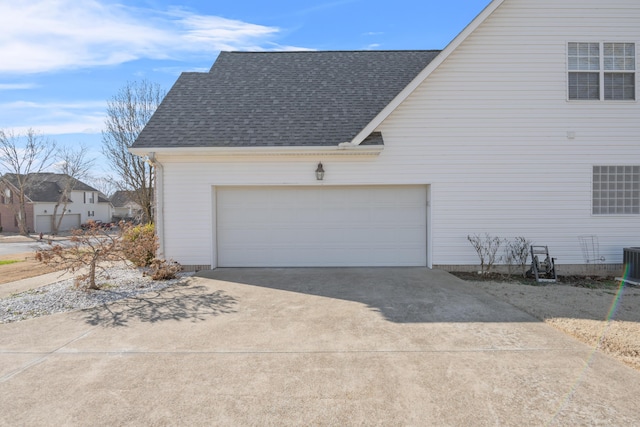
(402, 295)
(179, 302)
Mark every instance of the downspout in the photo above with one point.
(158, 193)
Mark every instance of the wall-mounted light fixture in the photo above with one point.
(320, 172)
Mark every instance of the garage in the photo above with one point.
(69, 222)
(332, 226)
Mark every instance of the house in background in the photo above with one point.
(526, 124)
(124, 205)
(84, 203)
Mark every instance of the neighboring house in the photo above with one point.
(85, 203)
(125, 206)
(526, 124)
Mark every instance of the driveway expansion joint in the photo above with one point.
(42, 359)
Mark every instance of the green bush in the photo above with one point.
(139, 243)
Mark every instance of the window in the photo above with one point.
(616, 190)
(602, 71)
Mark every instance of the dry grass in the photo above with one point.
(23, 267)
(604, 317)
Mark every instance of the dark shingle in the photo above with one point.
(281, 98)
(47, 187)
(121, 197)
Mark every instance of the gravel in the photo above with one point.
(63, 296)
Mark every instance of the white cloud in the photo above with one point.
(17, 86)
(54, 118)
(49, 35)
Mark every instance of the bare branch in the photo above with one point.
(22, 158)
(87, 250)
(107, 185)
(127, 114)
(74, 166)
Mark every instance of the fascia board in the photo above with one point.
(424, 74)
(259, 151)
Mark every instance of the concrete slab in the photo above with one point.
(308, 346)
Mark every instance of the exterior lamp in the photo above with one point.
(320, 172)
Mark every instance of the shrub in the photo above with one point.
(139, 243)
(164, 270)
(517, 253)
(487, 248)
(83, 254)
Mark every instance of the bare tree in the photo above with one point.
(86, 250)
(104, 184)
(74, 166)
(487, 249)
(127, 114)
(23, 157)
(517, 252)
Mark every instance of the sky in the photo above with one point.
(61, 60)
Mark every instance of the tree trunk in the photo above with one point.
(22, 219)
(92, 273)
(54, 226)
(57, 221)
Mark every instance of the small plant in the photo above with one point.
(487, 249)
(139, 243)
(517, 253)
(161, 269)
(86, 250)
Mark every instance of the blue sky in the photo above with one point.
(62, 59)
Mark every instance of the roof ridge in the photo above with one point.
(327, 51)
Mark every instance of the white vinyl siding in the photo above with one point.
(504, 151)
(490, 132)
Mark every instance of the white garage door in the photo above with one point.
(43, 223)
(69, 221)
(321, 226)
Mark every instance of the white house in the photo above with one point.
(125, 205)
(47, 190)
(526, 124)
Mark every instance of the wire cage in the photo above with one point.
(590, 246)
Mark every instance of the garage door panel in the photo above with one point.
(400, 214)
(43, 223)
(399, 236)
(321, 226)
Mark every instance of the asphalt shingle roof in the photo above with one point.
(47, 187)
(273, 99)
(121, 197)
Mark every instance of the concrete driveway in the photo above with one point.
(384, 346)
